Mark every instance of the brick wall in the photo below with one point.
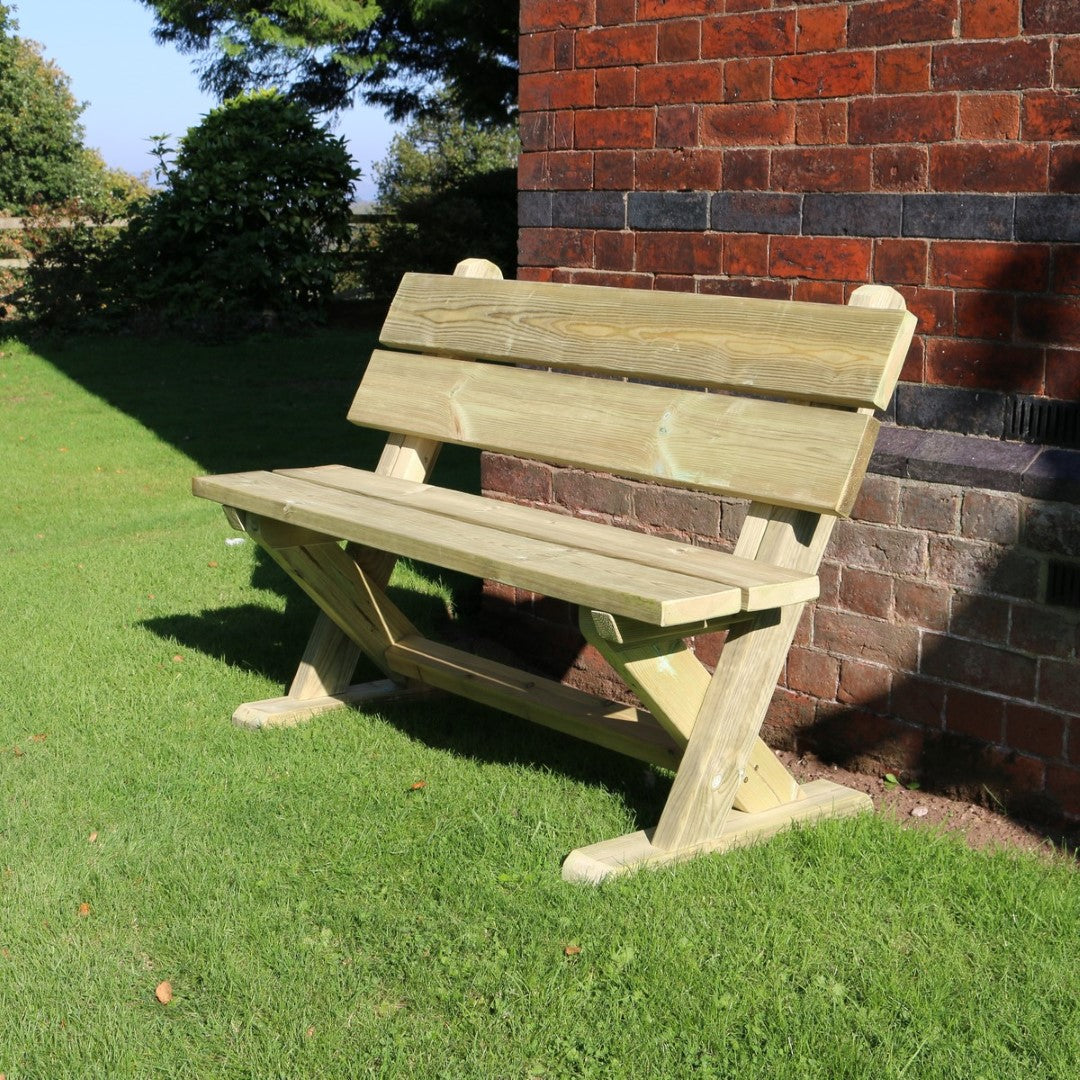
(795, 150)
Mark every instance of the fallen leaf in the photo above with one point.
(84, 910)
(212, 565)
(38, 738)
(310, 1031)
(418, 785)
(92, 838)
(163, 992)
(571, 950)
(17, 752)
(177, 659)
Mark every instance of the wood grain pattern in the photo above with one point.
(815, 352)
(787, 454)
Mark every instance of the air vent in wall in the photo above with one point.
(1043, 420)
(1063, 584)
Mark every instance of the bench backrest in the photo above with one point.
(648, 385)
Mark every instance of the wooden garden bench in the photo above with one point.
(768, 400)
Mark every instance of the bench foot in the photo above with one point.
(609, 858)
(289, 711)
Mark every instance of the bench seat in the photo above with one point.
(646, 578)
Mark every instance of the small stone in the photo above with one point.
(920, 811)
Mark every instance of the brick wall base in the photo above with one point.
(931, 653)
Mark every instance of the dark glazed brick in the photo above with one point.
(757, 212)
(945, 458)
(669, 210)
(1054, 218)
(588, 209)
(944, 408)
(851, 215)
(534, 209)
(1054, 475)
(959, 217)
(895, 448)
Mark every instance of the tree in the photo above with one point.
(397, 54)
(42, 157)
(448, 189)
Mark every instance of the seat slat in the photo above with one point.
(787, 454)
(653, 595)
(816, 352)
(763, 586)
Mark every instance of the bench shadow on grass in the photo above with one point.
(278, 402)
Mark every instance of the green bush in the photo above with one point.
(250, 223)
(446, 190)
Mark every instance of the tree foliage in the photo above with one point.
(397, 54)
(42, 158)
(447, 190)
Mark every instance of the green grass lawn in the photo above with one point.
(314, 912)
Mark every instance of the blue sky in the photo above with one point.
(134, 88)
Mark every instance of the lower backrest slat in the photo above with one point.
(782, 453)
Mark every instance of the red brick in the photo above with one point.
(748, 80)
(903, 71)
(688, 512)
(673, 9)
(1043, 631)
(894, 22)
(676, 282)
(1059, 685)
(840, 74)
(812, 672)
(746, 255)
(556, 90)
(990, 515)
(1063, 374)
(612, 278)
(1053, 116)
(918, 701)
(537, 130)
(833, 258)
(1035, 730)
(985, 315)
(989, 116)
(564, 50)
(564, 130)
(973, 714)
(534, 273)
(555, 247)
(762, 33)
(788, 714)
(678, 170)
(900, 168)
(838, 168)
(666, 84)
(864, 684)
(878, 500)
(982, 567)
(901, 262)
(1051, 17)
(932, 307)
(727, 125)
(1052, 320)
(992, 65)
(979, 365)
(679, 40)
(1067, 63)
(677, 125)
(746, 170)
(973, 664)
(862, 638)
(921, 604)
(614, 12)
(1063, 784)
(613, 251)
(820, 29)
(926, 118)
(614, 128)
(930, 506)
(582, 491)
(616, 46)
(914, 369)
(989, 18)
(679, 253)
(879, 547)
(818, 292)
(553, 14)
(536, 52)
(613, 170)
(1065, 168)
(977, 264)
(615, 87)
(866, 592)
(567, 171)
(820, 122)
(829, 583)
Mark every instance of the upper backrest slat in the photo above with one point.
(824, 353)
(779, 452)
